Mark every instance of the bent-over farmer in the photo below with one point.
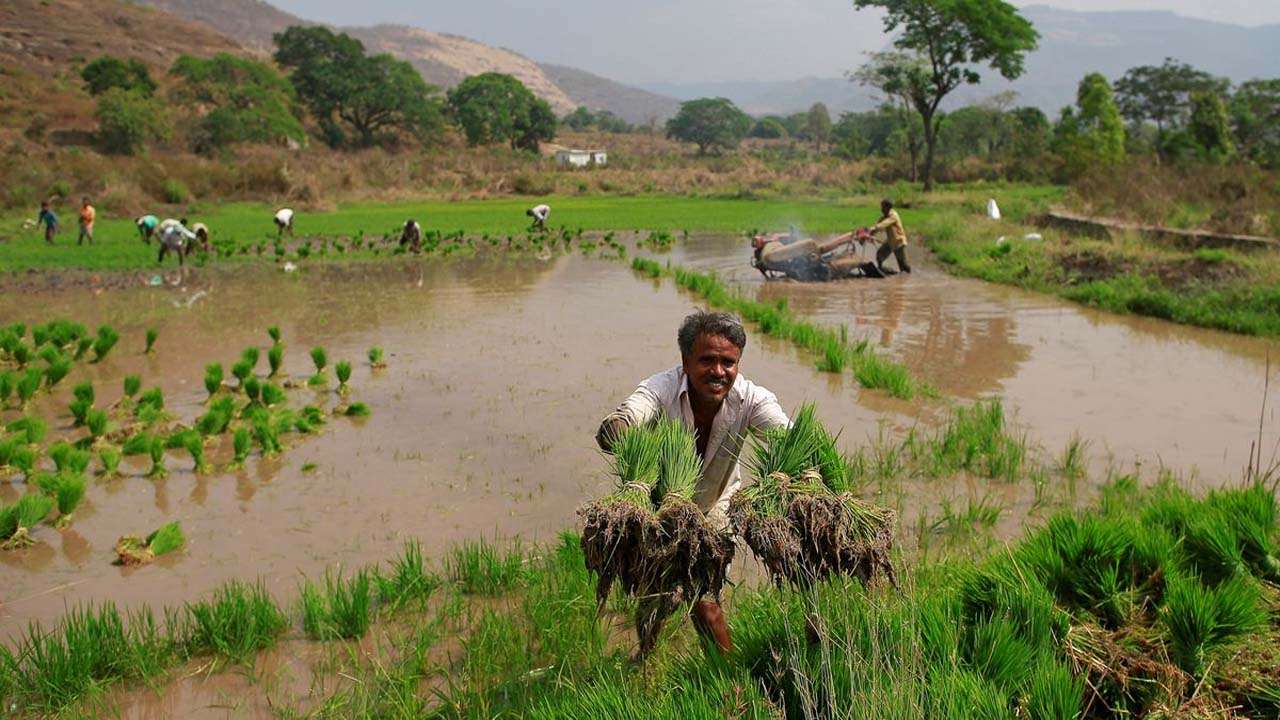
(284, 221)
(176, 238)
(539, 213)
(411, 235)
(201, 232)
(895, 237)
(147, 225)
(706, 393)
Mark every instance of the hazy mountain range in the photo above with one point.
(1072, 45)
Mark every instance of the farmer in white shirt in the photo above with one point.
(176, 238)
(721, 407)
(284, 221)
(539, 213)
(411, 235)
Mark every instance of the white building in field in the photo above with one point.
(567, 157)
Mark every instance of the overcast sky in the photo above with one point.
(695, 40)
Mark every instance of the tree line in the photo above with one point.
(349, 98)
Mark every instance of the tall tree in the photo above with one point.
(818, 125)
(1255, 113)
(370, 97)
(1210, 127)
(493, 107)
(1092, 132)
(247, 101)
(952, 37)
(709, 123)
(1162, 94)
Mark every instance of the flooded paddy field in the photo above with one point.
(499, 369)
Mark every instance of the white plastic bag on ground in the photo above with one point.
(1033, 237)
(993, 210)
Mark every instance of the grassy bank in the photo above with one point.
(1152, 603)
(1230, 290)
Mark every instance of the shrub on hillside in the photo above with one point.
(128, 120)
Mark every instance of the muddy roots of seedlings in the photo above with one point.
(817, 534)
(613, 538)
(133, 550)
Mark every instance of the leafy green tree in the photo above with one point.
(769, 128)
(109, 72)
(1255, 114)
(370, 98)
(818, 125)
(493, 107)
(1092, 132)
(610, 123)
(1210, 127)
(128, 120)
(709, 123)
(901, 77)
(580, 119)
(249, 101)
(1162, 94)
(952, 38)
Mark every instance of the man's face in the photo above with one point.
(885, 208)
(712, 367)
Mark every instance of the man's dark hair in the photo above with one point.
(887, 204)
(710, 323)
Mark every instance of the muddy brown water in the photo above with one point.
(499, 370)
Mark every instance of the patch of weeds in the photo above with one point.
(482, 568)
(339, 610)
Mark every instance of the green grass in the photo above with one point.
(238, 621)
(483, 568)
(338, 610)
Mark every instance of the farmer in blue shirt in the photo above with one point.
(50, 221)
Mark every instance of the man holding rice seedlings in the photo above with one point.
(707, 395)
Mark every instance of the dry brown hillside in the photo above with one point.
(443, 59)
(43, 46)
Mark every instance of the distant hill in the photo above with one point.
(441, 58)
(1072, 45)
(629, 103)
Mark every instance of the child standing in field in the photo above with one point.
(50, 221)
(87, 215)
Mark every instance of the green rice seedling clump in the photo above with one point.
(79, 409)
(274, 333)
(408, 580)
(242, 443)
(238, 621)
(357, 409)
(273, 395)
(58, 369)
(30, 428)
(341, 610)
(799, 519)
(275, 358)
(104, 342)
(8, 381)
(110, 459)
(212, 378)
(241, 371)
(376, 358)
(83, 391)
(343, 370)
(29, 384)
(17, 520)
(67, 490)
(251, 355)
(132, 384)
(320, 359)
(152, 336)
(134, 550)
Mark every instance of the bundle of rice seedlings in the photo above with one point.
(79, 408)
(97, 422)
(241, 371)
(376, 357)
(149, 445)
(152, 336)
(274, 333)
(8, 381)
(82, 347)
(242, 443)
(66, 487)
(796, 518)
(212, 378)
(343, 371)
(17, 520)
(133, 550)
(253, 389)
(28, 384)
(321, 359)
(251, 355)
(57, 370)
(272, 394)
(83, 391)
(132, 384)
(648, 535)
(275, 359)
(68, 459)
(267, 435)
(357, 409)
(107, 339)
(30, 428)
(110, 459)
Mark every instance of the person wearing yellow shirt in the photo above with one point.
(87, 216)
(895, 237)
